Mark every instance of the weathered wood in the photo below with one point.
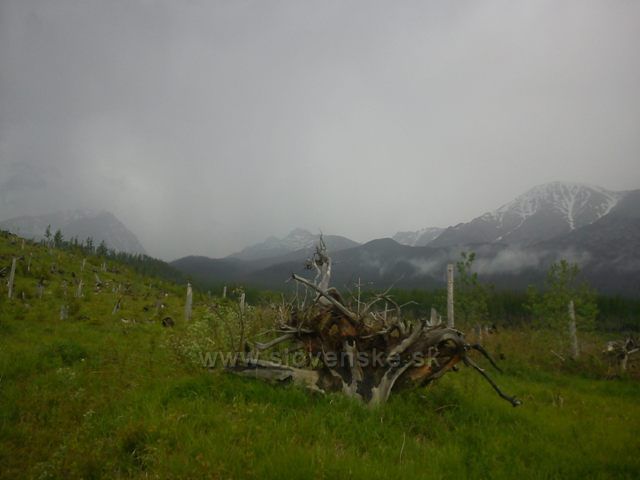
(621, 351)
(573, 334)
(188, 303)
(363, 354)
(116, 307)
(327, 296)
(12, 277)
(450, 311)
(434, 318)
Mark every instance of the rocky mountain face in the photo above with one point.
(101, 226)
(544, 212)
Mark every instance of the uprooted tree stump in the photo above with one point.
(365, 354)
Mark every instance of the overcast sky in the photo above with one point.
(208, 125)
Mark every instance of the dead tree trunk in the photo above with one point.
(434, 319)
(621, 351)
(12, 277)
(359, 352)
(573, 334)
(188, 303)
(116, 307)
(450, 312)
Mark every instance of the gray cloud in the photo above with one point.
(209, 125)
(514, 259)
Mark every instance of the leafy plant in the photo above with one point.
(550, 308)
(471, 297)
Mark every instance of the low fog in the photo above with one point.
(208, 125)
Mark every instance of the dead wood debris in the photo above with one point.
(366, 353)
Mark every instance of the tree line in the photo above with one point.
(139, 262)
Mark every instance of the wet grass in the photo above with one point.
(95, 397)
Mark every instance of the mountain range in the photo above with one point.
(298, 240)
(514, 244)
(99, 225)
(419, 238)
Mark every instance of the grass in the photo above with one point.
(94, 396)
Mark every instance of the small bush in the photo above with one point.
(68, 353)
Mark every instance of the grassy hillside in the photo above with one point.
(106, 395)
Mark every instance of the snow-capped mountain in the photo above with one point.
(101, 226)
(297, 239)
(544, 212)
(418, 238)
(514, 247)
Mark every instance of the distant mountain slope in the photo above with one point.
(212, 270)
(101, 226)
(608, 252)
(298, 239)
(610, 246)
(514, 246)
(418, 238)
(544, 212)
(378, 263)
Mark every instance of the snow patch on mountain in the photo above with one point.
(572, 200)
(418, 238)
(297, 239)
(543, 212)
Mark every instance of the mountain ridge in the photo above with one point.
(541, 213)
(298, 239)
(100, 225)
(596, 228)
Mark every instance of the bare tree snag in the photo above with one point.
(573, 334)
(621, 351)
(116, 307)
(12, 277)
(450, 312)
(360, 352)
(434, 319)
(188, 303)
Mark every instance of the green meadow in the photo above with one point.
(111, 393)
